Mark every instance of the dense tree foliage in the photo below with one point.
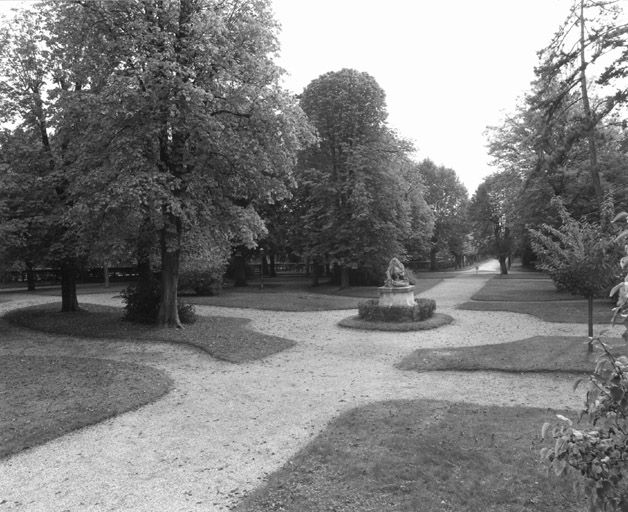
(167, 114)
(580, 256)
(493, 217)
(448, 200)
(358, 207)
(587, 54)
(568, 136)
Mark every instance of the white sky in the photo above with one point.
(450, 68)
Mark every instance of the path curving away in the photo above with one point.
(224, 427)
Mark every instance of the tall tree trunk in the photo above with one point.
(105, 272)
(30, 276)
(588, 115)
(345, 277)
(503, 265)
(433, 263)
(272, 271)
(239, 267)
(590, 309)
(170, 235)
(69, 300)
(315, 273)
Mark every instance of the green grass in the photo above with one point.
(419, 456)
(224, 338)
(537, 297)
(415, 456)
(46, 397)
(537, 354)
(561, 311)
(501, 288)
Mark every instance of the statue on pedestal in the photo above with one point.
(396, 274)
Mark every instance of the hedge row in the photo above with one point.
(370, 310)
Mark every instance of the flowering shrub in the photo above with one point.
(371, 310)
(597, 456)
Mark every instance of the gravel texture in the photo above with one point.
(225, 427)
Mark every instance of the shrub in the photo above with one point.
(202, 281)
(142, 305)
(187, 312)
(580, 256)
(596, 456)
(371, 310)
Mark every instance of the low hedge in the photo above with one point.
(371, 311)
(203, 282)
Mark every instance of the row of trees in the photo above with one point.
(568, 137)
(159, 132)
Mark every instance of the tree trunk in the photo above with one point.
(239, 267)
(105, 271)
(69, 300)
(30, 276)
(345, 277)
(272, 271)
(433, 262)
(590, 308)
(315, 273)
(503, 265)
(588, 115)
(168, 314)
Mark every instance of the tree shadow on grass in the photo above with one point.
(227, 339)
(566, 354)
(422, 456)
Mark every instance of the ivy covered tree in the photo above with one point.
(352, 182)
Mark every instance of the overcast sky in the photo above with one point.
(450, 68)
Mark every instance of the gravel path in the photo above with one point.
(225, 427)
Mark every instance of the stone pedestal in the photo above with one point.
(396, 296)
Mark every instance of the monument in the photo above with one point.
(397, 290)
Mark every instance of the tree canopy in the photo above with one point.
(166, 114)
(448, 200)
(359, 207)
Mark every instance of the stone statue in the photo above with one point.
(396, 274)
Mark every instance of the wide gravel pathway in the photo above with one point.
(225, 427)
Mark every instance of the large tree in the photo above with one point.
(493, 215)
(352, 182)
(448, 199)
(37, 178)
(588, 54)
(176, 120)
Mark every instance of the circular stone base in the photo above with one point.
(355, 322)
